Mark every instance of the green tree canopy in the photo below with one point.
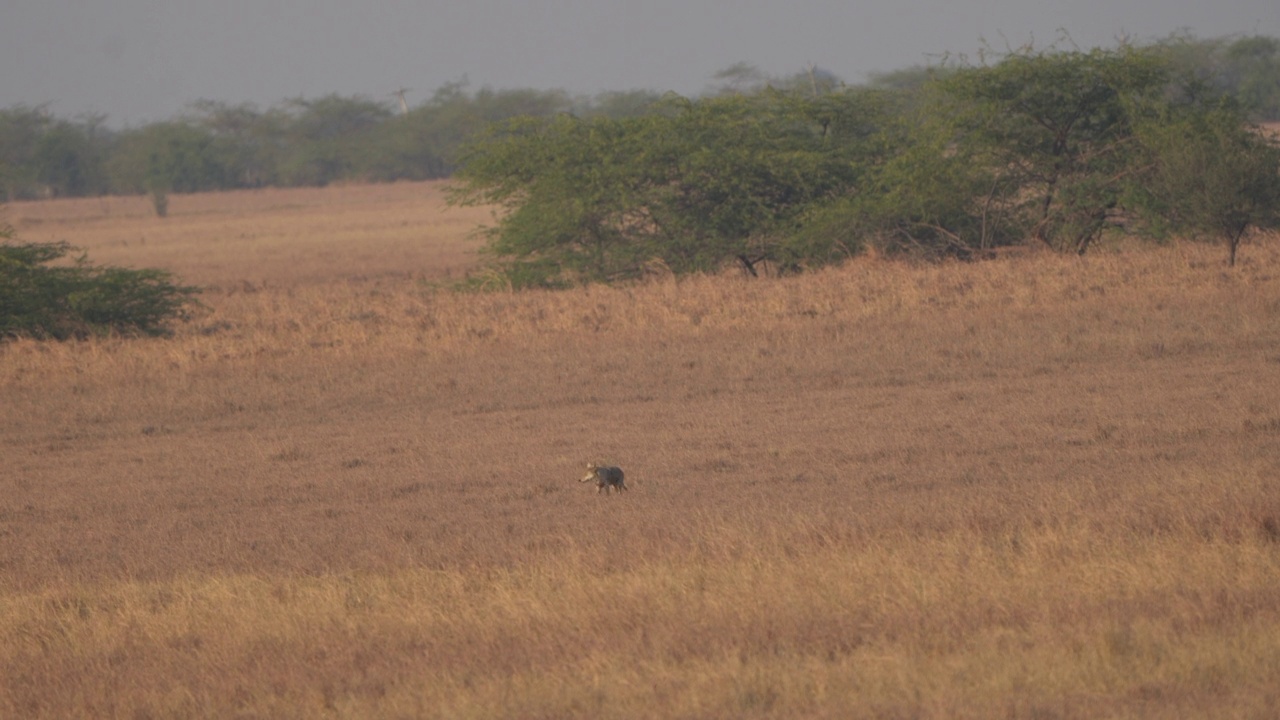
(76, 301)
(1038, 146)
(68, 158)
(21, 128)
(691, 184)
(1212, 175)
(1056, 131)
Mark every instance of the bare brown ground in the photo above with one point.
(1040, 486)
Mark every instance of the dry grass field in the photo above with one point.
(1041, 486)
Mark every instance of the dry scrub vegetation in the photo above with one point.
(1041, 486)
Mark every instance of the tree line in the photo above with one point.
(300, 142)
(1060, 148)
(310, 142)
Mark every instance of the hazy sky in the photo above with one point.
(144, 60)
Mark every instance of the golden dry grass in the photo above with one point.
(1042, 486)
(272, 236)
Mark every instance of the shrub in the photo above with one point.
(81, 299)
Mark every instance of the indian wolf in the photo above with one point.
(606, 477)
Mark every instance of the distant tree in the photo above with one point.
(1255, 70)
(328, 138)
(247, 143)
(1211, 176)
(745, 79)
(618, 105)
(498, 105)
(909, 79)
(68, 158)
(44, 156)
(1245, 69)
(424, 143)
(177, 157)
(21, 128)
(740, 78)
(333, 116)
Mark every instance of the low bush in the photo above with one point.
(81, 299)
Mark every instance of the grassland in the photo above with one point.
(1041, 486)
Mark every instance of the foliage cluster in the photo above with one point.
(301, 142)
(81, 299)
(1244, 68)
(306, 142)
(689, 184)
(1052, 147)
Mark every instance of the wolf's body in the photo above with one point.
(606, 477)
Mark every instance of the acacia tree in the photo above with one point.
(693, 184)
(1212, 175)
(1057, 129)
(926, 194)
(563, 195)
